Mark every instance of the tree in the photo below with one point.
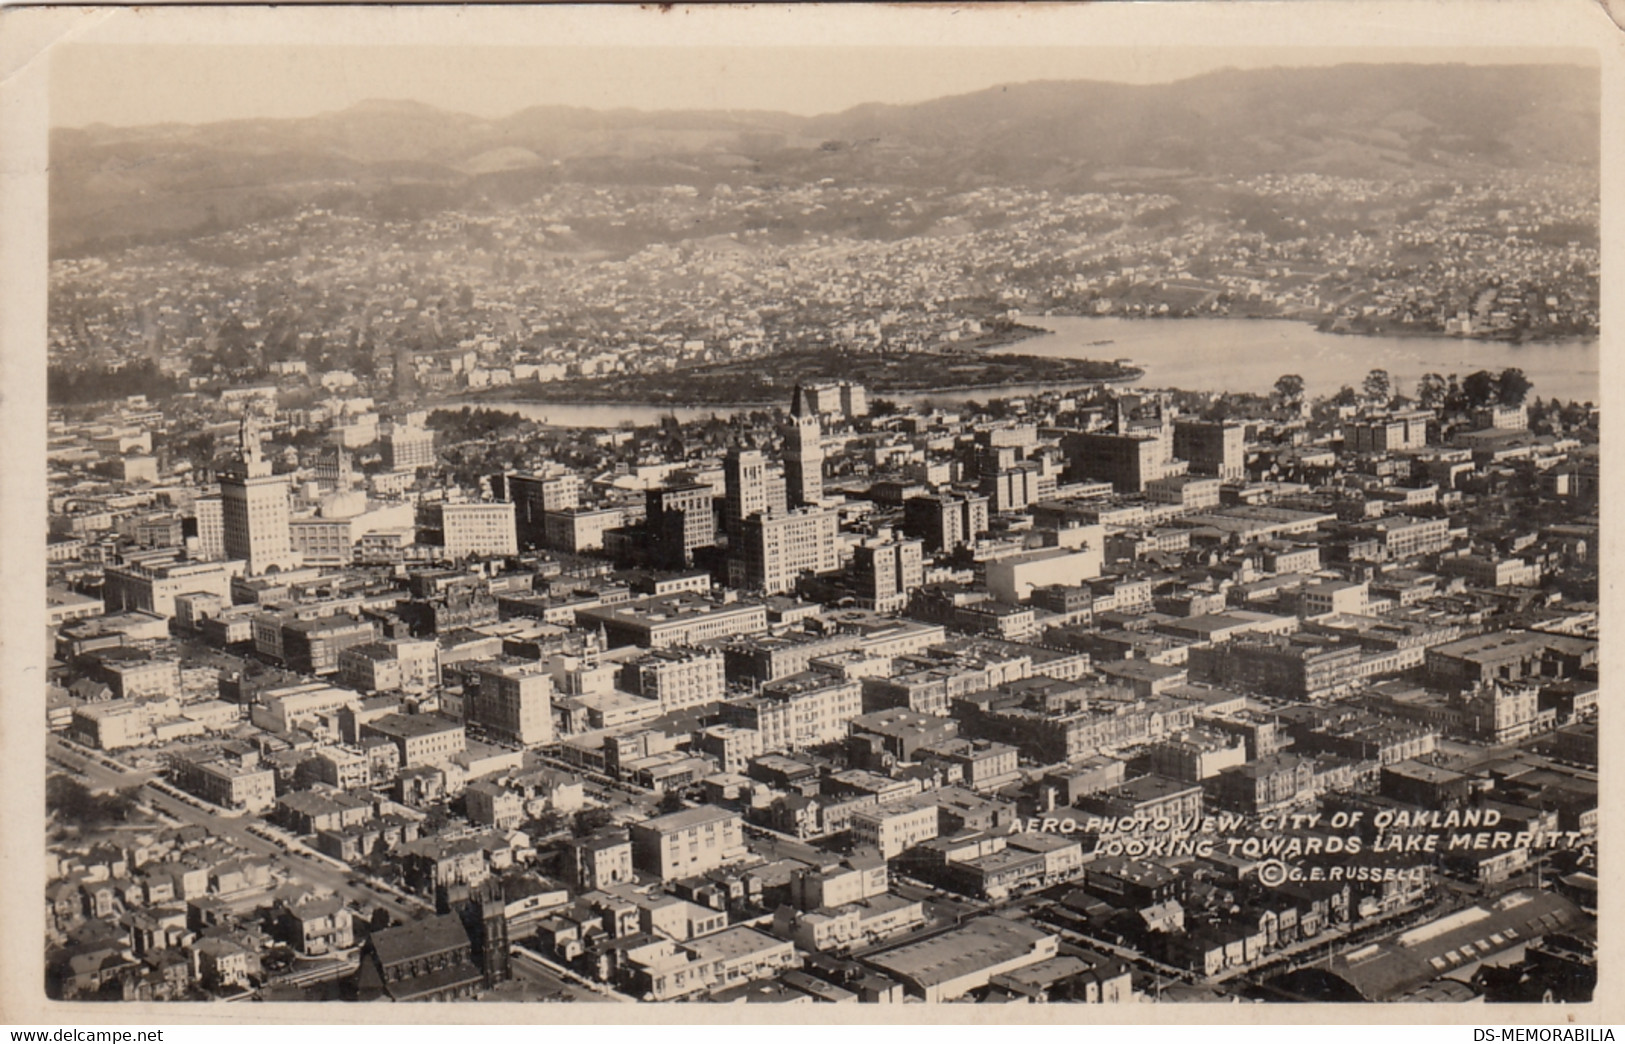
(77, 804)
(80, 386)
(1345, 397)
(1289, 387)
(546, 824)
(672, 801)
(591, 820)
(1378, 386)
(1478, 390)
(436, 819)
(1430, 391)
(1512, 386)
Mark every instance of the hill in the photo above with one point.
(115, 186)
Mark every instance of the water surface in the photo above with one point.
(1205, 355)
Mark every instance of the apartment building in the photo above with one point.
(514, 702)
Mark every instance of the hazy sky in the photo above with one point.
(135, 84)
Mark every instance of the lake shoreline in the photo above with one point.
(1322, 326)
(1001, 343)
(1232, 357)
(477, 399)
(1219, 354)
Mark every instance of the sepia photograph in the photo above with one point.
(1048, 508)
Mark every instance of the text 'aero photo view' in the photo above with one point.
(1073, 542)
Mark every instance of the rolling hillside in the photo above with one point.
(114, 186)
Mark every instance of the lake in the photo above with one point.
(1207, 355)
(1249, 354)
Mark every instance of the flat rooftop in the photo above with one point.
(980, 943)
(409, 726)
(687, 818)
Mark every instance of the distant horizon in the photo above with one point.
(219, 84)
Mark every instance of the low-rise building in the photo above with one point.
(421, 739)
(238, 782)
(674, 620)
(895, 828)
(1265, 785)
(392, 664)
(689, 842)
(599, 860)
(677, 678)
(427, 960)
(860, 923)
(947, 966)
(803, 710)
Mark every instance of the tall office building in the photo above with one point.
(211, 528)
(803, 452)
(944, 522)
(1214, 448)
(681, 520)
(838, 399)
(406, 378)
(854, 400)
(885, 571)
(1129, 461)
(254, 511)
(534, 496)
(1019, 486)
(1398, 430)
(478, 529)
(752, 489)
(777, 549)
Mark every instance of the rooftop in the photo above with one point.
(731, 944)
(410, 726)
(686, 819)
(977, 944)
(419, 939)
(1402, 962)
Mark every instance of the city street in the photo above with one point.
(235, 830)
(550, 978)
